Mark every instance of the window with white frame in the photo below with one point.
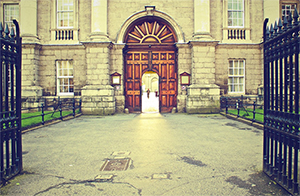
(287, 8)
(235, 13)
(65, 84)
(65, 13)
(11, 11)
(236, 76)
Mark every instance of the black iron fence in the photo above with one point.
(10, 102)
(51, 108)
(281, 102)
(247, 107)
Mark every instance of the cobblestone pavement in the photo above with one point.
(169, 154)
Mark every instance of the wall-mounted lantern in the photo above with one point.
(115, 79)
(184, 80)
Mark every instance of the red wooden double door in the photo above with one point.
(161, 62)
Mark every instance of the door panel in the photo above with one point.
(163, 62)
(133, 82)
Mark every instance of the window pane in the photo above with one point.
(70, 64)
(235, 80)
(240, 22)
(70, 72)
(235, 72)
(241, 71)
(229, 5)
(236, 64)
(70, 19)
(241, 80)
(241, 88)
(230, 71)
(235, 88)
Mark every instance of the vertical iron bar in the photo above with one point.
(280, 158)
(266, 97)
(226, 101)
(238, 108)
(43, 114)
(253, 120)
(1, 111)
(18, 96)
(73, 107)
(12, 114)
(80, 103)
(60, 108)
(291, 109)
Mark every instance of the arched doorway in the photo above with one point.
(150, 92)
(150, 47)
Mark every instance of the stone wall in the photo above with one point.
(47, 68)
(253, 67)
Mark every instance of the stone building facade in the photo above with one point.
(99, 49)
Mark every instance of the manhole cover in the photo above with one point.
(115, 165)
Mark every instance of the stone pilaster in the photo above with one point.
(184, 65)
(28, 25)
(98, 95)
(30, 71)
(99, 20)
(203, 95)
(118, 66)
(202, 20)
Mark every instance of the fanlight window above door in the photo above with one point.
(150, 32)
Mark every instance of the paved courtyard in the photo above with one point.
(170, 154)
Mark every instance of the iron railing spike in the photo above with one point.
(267, 33)
(271, 31)
(290, 20)
(12, 35)
(296, 15)
(6, 31)
(285, 22)
(275, 28)
(1, 30)
(280, 26)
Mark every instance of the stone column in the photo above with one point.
(203, 94)
(28, 24)
(99, 20)
(98, 95)
(30, 50)
(202, 20)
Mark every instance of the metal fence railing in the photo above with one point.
(70, 105)
(247, 107)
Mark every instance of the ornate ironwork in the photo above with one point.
(281, 102)
(10, 102)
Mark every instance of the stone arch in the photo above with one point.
(152, 13)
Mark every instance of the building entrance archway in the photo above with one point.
(150, 92)
(150, 47)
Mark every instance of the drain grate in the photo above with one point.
(115, 165)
